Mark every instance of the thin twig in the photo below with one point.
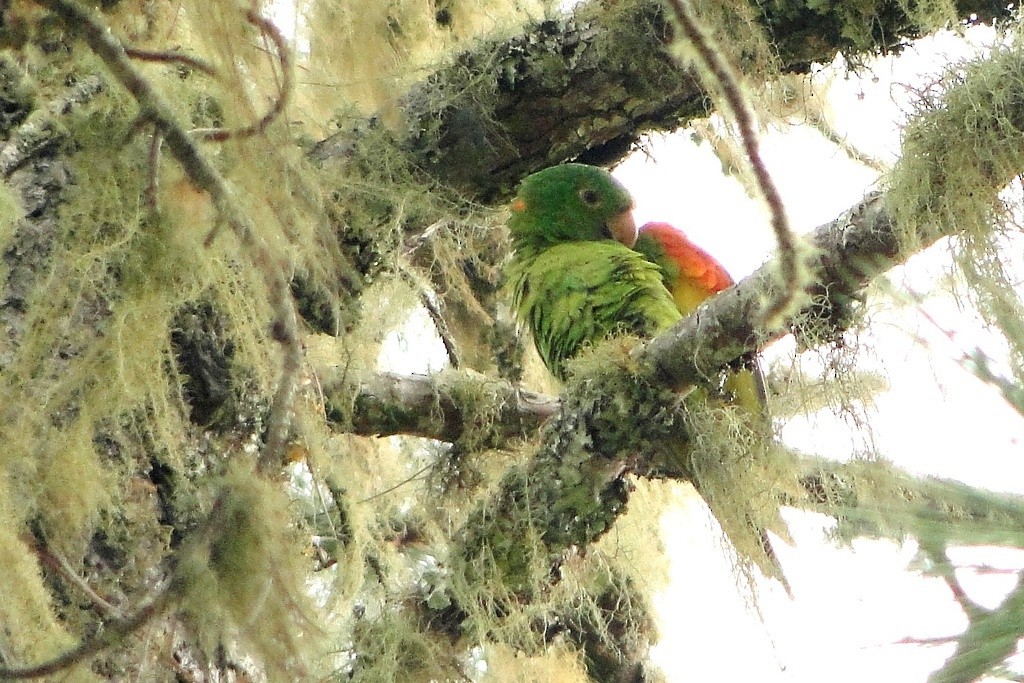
(977, 363)
(152, 190)
(729, 85)
(171, 57)
(115, 632)
(204, 176)
(931, 642)
(61, 566)
(284, 92)
(56, 562)
(436, 317)
(411, 478)
(269, 30)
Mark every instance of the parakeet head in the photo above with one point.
(571, 203)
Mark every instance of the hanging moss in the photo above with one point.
(241, 584)
(855, 27)
(960, 155)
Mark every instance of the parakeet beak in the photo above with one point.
(623, 227)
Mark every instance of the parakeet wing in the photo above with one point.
(576, 294)
(692, 275)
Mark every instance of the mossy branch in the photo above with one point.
(40, 130)
(989, 640)
(445, 407)
(847, 253)
(875, 499)
(589, 87)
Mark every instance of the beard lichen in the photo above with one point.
(743, 477)
(961, 155)
(131, 336)
(241, 581)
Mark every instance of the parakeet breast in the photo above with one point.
(575, 295)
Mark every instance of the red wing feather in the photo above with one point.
(694, 263)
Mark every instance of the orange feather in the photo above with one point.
(693, 262)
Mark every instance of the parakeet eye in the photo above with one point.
(590, 196)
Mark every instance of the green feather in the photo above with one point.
(570, 284)
(557, 209)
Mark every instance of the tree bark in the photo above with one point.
(586, 87)
(589, 86)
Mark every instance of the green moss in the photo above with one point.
(391, 648)
(801, 27)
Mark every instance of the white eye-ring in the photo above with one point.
(589, 196)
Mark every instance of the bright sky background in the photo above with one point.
(850, 606)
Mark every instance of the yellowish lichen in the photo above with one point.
(32, 632)
(242, 581)
(961, 153)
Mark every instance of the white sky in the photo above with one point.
(851, 606)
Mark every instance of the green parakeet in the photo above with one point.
(574, 278)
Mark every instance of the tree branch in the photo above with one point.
(875, 499)
(990, 639)
(589, 86)
(445, 407)
(41, 129)
(850, 250)
(723, 77)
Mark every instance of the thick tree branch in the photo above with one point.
(589, 86)
(41, 129)
(847, 253)
(446, 407)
